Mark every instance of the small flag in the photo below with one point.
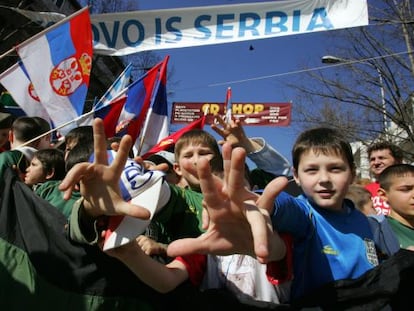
(169, 142)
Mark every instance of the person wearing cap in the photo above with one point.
(6, 120)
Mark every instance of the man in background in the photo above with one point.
(381, 155)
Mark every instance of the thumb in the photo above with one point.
(271, 191)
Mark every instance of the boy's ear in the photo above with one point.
(295, 176)
(177, 169)
(50, 174)
(383, 194)
(11, 136)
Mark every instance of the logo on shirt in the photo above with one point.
(327, 249)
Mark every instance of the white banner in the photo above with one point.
(132, 32)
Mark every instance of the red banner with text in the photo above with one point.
(253, 114)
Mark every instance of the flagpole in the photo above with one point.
(7, 53)
(228, 105)
(57, 128)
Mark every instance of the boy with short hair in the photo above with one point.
(49, 190)
(24, 130)
(397, 189)
(80, 134)
(182, 215)
(333, 240)
(47, 164)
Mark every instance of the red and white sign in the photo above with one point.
(251, 114)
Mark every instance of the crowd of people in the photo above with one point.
(259, 238)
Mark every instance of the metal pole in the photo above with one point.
(383, 103)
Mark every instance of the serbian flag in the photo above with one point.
(156, 125)
(127, 113)
(169, 142)
(58, 62)
(16, 81)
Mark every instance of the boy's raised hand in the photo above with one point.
(231, 131)
(99, 182)
(238, 219)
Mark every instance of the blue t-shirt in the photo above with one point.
(328, 245)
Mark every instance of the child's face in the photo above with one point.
(324, 179)
(34, 173)
(400, 196)
(187, 163)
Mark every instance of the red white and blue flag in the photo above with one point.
(127, 113)
(16, 81)
(58, 62)
(156, 125)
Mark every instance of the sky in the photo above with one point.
(197, 68)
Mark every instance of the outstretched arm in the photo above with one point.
(162, 278)
(239, 221)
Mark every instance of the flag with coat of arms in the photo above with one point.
(58, 62)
